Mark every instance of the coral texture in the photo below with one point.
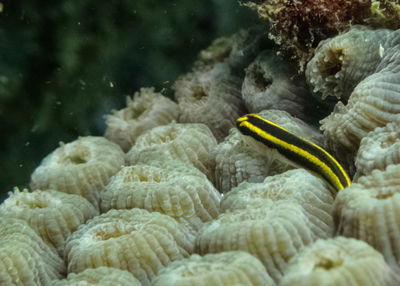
(133, 240)
(299, 186)
(336, 262)
(174, 192)
(379, 149)
(237, 50)
(190, 143)
(240, 158)
(147, 109)
(53, 215)
(272, 83)
(82, 167)
(272, 228)
(227, 268)
(341, 62)
(370, 210)
(101, 276)
(211, 97)
(25, 259)
(374, 102)
(298, 26)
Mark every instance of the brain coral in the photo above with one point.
(25, 259)
(341, 62)
(271, 83)
(174, 192)
(191, 143)
(378, 149)
(146, 110)
(211, 97)
(82, 167)
(370, 210)
(53, 215)
(237, 50)
(337, 262)
(101, 276)
(297, 185)
(133, 240)
(226, 268)
(374, 102)
(271, 227)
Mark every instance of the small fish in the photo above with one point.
(295, 148)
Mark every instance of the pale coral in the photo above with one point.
(378, 149)
(101, 276)
(176, 192)
(337, 262)
(370, 210)
(133, 240)
(190, 143)
(25, 259)
(227, 268)
(374, 102)
(147, 109)
(298, 185)
(53, 215)
(237, 50)
(271, 83)
(211, 97)
(82, 167)
(271, 227)
(341, 62)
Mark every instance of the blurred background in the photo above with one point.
(65, 64)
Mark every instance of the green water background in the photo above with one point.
(64, 64)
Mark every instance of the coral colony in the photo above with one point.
(175, 194)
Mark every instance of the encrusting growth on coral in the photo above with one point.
(25, 259)
(134, 240)
(81, 167)
(298, 26)
(369, 210)
(147, 109)
(53, 215)
(337, 262)
(101, 276)
(226, 268)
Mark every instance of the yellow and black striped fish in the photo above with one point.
(295, 148)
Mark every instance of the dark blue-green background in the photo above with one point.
(64, 64)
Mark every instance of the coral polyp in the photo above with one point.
(339, 261)
(104, 276)
(25, 259)
(198, 191)
(165, 191)
(53, 215)
(133, 240)
(226, 268)
(81, 167)
(147, 109)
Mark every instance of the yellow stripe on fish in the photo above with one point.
(295, 148)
